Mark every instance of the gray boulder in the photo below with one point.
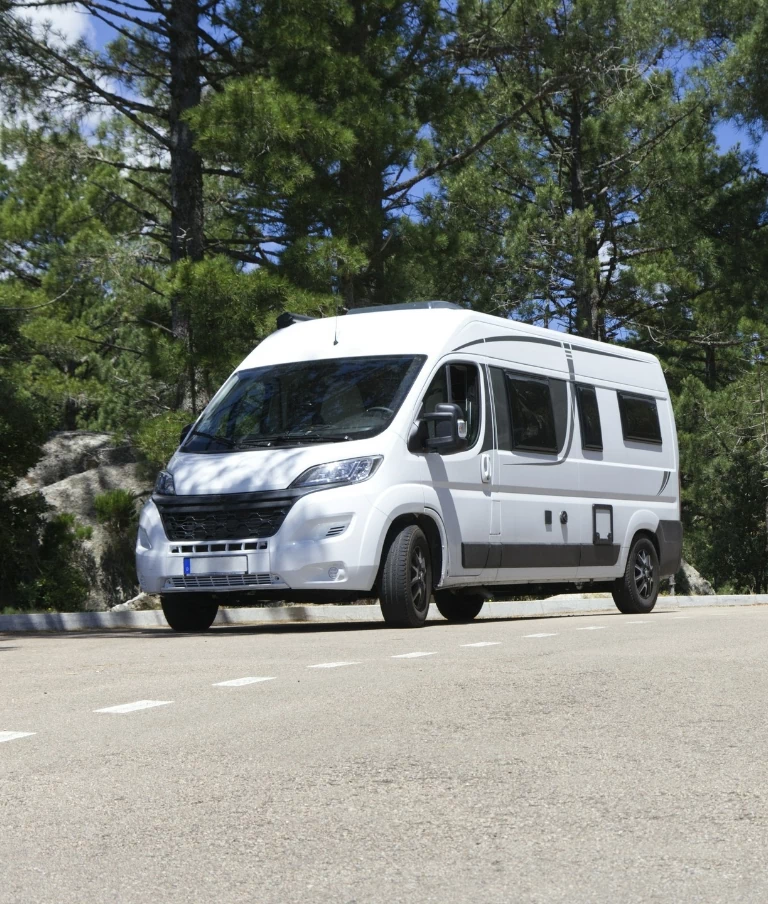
(73, 452)
(688, 582)
(76, 467)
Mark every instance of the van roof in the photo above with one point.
(428, 328)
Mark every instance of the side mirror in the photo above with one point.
(184, 431)
(450, 433)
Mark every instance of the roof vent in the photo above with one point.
(287, 319)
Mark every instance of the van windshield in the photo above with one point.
(305, 402)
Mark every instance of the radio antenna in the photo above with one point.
(336, 324)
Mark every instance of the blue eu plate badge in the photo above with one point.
(186, 566)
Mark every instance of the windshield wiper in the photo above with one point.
(219, 439)
(290, 439)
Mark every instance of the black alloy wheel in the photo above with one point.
(638, 590)
(405, 586)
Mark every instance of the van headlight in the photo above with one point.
(350, 470)
(164, 484)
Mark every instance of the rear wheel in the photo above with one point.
(406, 579)
(638, 590)
(459, 606)
(189, 613)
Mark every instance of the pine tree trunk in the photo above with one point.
(186, 170)
(586, 290)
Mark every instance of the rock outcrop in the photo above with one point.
(688, 582)
(76, 467)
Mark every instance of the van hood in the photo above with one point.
(199, 474)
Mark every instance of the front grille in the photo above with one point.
(190, 521)
(192, 581)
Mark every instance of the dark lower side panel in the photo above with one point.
(490, 591)
(537, 555)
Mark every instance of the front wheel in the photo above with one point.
(406, 579)
(459, 607)
(189, 613)
(638, 590)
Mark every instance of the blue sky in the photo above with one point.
(729, 134)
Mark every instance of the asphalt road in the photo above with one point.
(598, 758)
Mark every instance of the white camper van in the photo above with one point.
(418, 451)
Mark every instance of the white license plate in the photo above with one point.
(216, 565)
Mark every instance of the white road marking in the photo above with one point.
(593, 628)
(14, 735)
(239, 682)
(132, 707)
(540, 635)
(637, 622)
(413, 655)
(482, 643)
(331, 665)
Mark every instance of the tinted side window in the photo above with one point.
(589, 418)
(501, 407)
(639, 418)
(533, 419)
(457, 383)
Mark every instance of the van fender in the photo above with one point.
(408, 499)
(432, 513)
(642, 519)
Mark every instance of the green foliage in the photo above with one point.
(158, 438)
(45, 564)
(116, 510)
(724, 474)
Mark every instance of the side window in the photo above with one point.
(459, 383)
(589, 418)
(639, 418)
(533, 416)
(501, 407)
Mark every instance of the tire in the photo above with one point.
(459, 606)
(638, 590)
(189, 613)
(406, 579)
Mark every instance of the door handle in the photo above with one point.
(485, 467)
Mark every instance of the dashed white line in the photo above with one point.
(482, 643)
(413, 655)
(132, 707)
(593, 628)
(14, 735)
(331, 665)
(539, 635)
(239, 682)
(637, 622)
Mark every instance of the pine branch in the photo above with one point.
(462, 156)
(37, 307)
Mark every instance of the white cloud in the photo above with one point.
(68, 23)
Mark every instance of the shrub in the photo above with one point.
(45, 563)
(158, 439)
(116, 510)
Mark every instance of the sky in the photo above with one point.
(729, 134)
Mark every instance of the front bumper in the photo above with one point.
(328, 540)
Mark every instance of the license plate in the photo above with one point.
(216, 565)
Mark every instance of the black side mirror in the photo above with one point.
(450, 433)
(184, 431)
